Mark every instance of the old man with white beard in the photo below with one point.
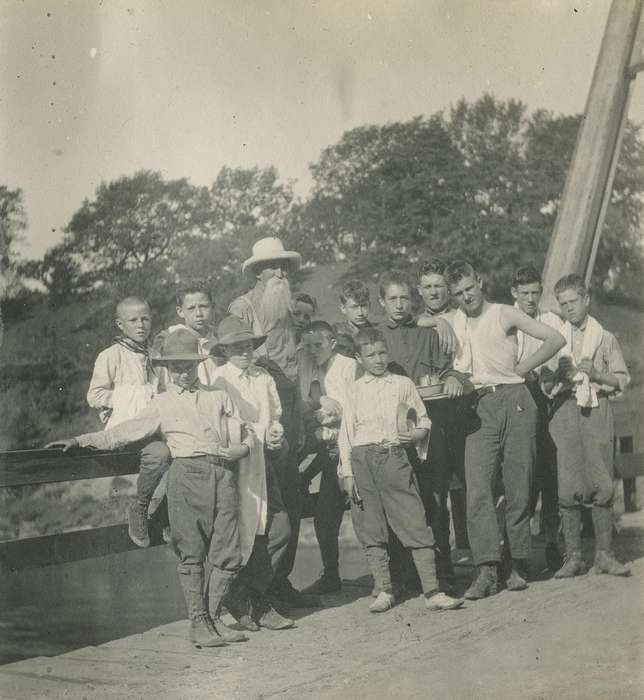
(266, 308)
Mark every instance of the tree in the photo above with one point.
(141, 234)
(13, 221)
(482, 182)
(242, 205)
(392, 188)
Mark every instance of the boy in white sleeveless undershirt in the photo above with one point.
(504, 427)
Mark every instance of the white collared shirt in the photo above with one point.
(370, 413)
(253, 392)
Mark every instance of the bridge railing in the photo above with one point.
(32, 467)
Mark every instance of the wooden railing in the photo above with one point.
(31, 467)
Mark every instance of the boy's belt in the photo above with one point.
(382, 446)
(493, 388)
(214, 460)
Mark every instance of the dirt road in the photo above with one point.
(575, 639)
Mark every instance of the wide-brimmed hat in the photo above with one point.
(271, 248)
(179, 346)
(234, 330)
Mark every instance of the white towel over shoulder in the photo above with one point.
(593, 334)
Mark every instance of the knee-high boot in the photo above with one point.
(573, 563)
(218, 587)
(202, 633)
(605, 562)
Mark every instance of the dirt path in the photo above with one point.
(580, 639)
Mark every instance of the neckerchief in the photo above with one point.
(139, 349)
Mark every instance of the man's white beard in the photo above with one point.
(275, 303)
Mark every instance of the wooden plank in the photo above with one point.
(35, 552)
(628, 466)
(25, 467)
(590, 176)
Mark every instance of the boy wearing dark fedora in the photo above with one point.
(263, 521)
(202, 486)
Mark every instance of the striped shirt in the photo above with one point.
(370, 413)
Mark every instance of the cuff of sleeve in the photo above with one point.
(452, 373)
(344, 470)
(84, 440)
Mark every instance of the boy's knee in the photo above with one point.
(280, 529)
(570, 499)
(190, 568)
(603, 495)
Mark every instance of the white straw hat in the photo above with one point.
(271, 248)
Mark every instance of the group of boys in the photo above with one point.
(229, 417)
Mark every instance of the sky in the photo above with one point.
(93, 90)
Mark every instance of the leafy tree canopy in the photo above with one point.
(482, 181)
(13, 221)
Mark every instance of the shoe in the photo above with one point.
(440, 601)
(573, 565)
(327, 583)
(295, 599)
(137, 518)
(605, 563)
(227, 634)
(485, 584)
(203, 634)
(516, 582)
(271, 619)
(382, 603)
(554, 560)
(238, 604)
(166, 534)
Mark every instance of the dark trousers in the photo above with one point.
(285, 465)
(269, 548)
(329, 509)
(585, 441)
(445, 459)
(545, 468)
(501, 437)
(389, 492)
(155, 462)
(203, 510)
(287, 476)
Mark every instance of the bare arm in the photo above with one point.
(553, 341)
(446, 335)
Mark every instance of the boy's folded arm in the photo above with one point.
(553, 341)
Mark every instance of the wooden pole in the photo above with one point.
(590, 177)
